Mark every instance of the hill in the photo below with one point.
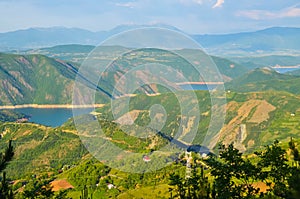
(38, 79)
(33, 79)
(253, 120)
(294, 73)
(72, 52)
(39, 148)
(10, 116)
(268, 61)
(77, 53)
(264, 79)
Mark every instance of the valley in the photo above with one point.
(127, 144)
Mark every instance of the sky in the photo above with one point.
(191, 16)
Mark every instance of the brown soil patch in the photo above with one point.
(27, 132)
(230, 106)
(250, 143)
(229, 131)
(60, 184)
(186, 128)
(128, 118)
(262, 111)
(261, 185)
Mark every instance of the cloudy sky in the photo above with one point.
(192, 16)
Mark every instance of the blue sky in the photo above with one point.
(192, 16)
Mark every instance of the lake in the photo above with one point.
(55, 117)
(285, 70)
(198, 86)
(51, 117)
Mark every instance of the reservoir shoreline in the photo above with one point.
(51, 106)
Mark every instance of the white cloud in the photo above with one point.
(198, 1)
(294, 12)
(219, 4)
(265, 14)
(127, 4)
(190, 2)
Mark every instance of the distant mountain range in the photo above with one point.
(268, 41)
(276, 39)
(47, 37)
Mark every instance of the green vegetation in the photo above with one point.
(51, 148)
(57, 153)
(234, 176)
(33, 79)
(10, 116)
(5, 158)
(29, 79)
(265, 79)
(254, 119)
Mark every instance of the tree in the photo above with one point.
(178, 182)
(294, 152)
(5, 158)
(62, 194)
(85, 193)
(294, 180)
(198, 185)
(233, 175)
(38, 188)
(193, 187)
(276, 169)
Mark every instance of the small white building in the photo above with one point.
(146, 158)
(110, 186)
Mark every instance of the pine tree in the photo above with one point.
(5, 191)
(85, 193)
(294, 180)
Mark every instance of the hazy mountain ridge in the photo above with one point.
(270, 40)
(276, 39)
(45, 37)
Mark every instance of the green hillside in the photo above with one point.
(294, 73)
(10, 116)
(33, 79)
(229, 68)
(264, 79)
(30, 79)
(267, 116)
(77, 53)
(59, 151)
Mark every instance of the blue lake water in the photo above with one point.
(198, 87)
(51, 117)
(285, 70)
(57, 116)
